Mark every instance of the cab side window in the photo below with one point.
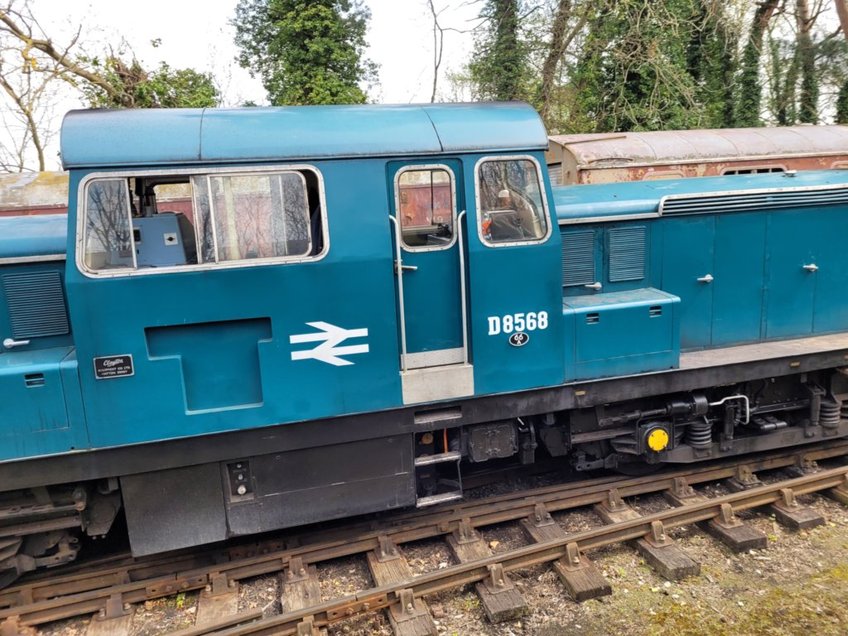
(244, 217)
(174, 220)
(107, 242)
(510, 200)
(425, 207)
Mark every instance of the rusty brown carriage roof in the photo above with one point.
(671, 147)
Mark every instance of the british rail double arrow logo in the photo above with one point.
(330, 337)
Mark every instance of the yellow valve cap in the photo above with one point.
(657, 439)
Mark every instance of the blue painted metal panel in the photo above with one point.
(316, 131)
(490, 127)
(580, 257)
(29, 310)
(36, 235)
(626, 257)
(739, 271)
(830, 312)
(790, 296)
(34, 420)
(507, 281)
(131, 137)
(432, 295)
(688, 245)
(185, 136)
(643, 197)
(604, 328)
(170, 324)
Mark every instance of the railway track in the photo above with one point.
(109, 588)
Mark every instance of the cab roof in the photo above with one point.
(112, 138)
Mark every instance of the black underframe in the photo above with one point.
(141, 458)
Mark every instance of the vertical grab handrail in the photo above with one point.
(461, 244)
(399, 272)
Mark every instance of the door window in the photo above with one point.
(511, 203)
(426, 207)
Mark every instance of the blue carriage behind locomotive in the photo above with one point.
(272, 317)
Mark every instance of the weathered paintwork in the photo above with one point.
(668, 154)
(189, 136)
(38, 235)
(212, 348)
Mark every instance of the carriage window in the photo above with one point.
(425, 207)
(510, 199)
(107, 240)
(173, 220)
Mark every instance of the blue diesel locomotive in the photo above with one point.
(352, 305)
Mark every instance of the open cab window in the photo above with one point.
(510, 202)
(155, 221)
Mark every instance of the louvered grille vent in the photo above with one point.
(627, 253)
(753, 201)
(36, 304)
(578, 257)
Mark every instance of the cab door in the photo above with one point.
(429, 276)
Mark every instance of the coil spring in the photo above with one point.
(700, 434)
(830, 413)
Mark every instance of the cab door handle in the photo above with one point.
(706, 279)
(11, 343)
(596, 286)
(812, 267)
(400, 267)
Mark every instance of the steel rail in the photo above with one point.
(376, 598)
(46, 600)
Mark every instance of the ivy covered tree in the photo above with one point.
(634, 70)
(750, 88)
(306, 51)
(499, 66)
(712, 61)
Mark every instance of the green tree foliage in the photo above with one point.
(808, 108)
(130, 85)
(783, 81)
(750, 89)
(634, 71)
(306, 51)
(712, 61)
(499, 67)
(601, 65)
(842, 104)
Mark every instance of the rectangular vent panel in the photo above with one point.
(578, 258)
(36, 305)
(627, 253)
(754, 200)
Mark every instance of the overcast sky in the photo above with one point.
(198, 34)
